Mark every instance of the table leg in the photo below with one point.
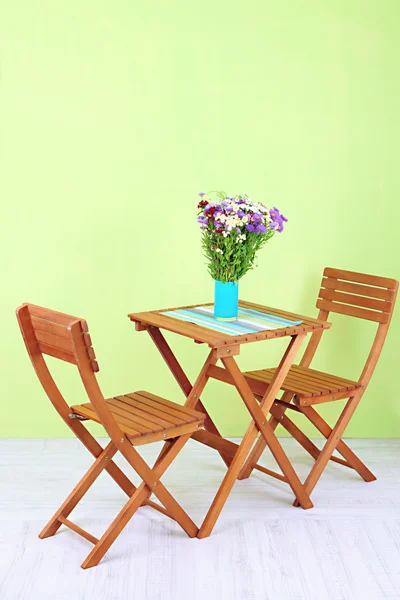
(250, 435)
(184, 383)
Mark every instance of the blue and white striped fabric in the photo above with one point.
(248, 321)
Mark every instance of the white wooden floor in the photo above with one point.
(347, 548)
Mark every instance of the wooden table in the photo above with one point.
(225, 347)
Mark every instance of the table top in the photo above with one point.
(216, 339)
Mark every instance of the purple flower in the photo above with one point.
(277, 219)
(241, 213)
(260, 228)
(280, 225)
(250, 227)
(202, 220)
(201, 194)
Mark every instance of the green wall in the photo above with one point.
(113, 115)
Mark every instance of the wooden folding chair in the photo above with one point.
(356, 295)
(130, 420)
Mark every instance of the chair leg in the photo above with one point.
(333, 441)
(260, 446)
(79, 491)
(344, 450)
(297, 434)
(253, 458)
(95, 449)
(151, 484)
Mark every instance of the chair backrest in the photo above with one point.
(363, 296)
(357, 295)
(47, 332)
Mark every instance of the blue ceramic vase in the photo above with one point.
(226, 300)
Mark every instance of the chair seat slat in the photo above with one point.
(306, 382)
(137, 422)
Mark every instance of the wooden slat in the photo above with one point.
(383, 282)
(151, 409)
(87, 410)
(306, 382)
(52, 315)
(352, 311)
(136, 421)
(57, 353)
(153, 418)
(298, 382)
(49, 327)
(163, 409)
(55, 341)
(322, 381)
(185, 410)
(267, 376)
(356, 288)
(129, 420)
(354, 300)
(321, 374)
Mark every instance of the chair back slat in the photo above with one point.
(62, 343)
(373, 280)
(356, 288)
(357, 295)
(53, 316)
(50, 327)
(57, 353)
(50, 332)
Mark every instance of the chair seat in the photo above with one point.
(147, 418)
(306, 382)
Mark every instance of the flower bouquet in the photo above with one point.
(233, 228)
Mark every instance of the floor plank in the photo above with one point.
(347, 548)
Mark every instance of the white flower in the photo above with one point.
(219, 251)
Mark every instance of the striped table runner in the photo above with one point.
(248, 321)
